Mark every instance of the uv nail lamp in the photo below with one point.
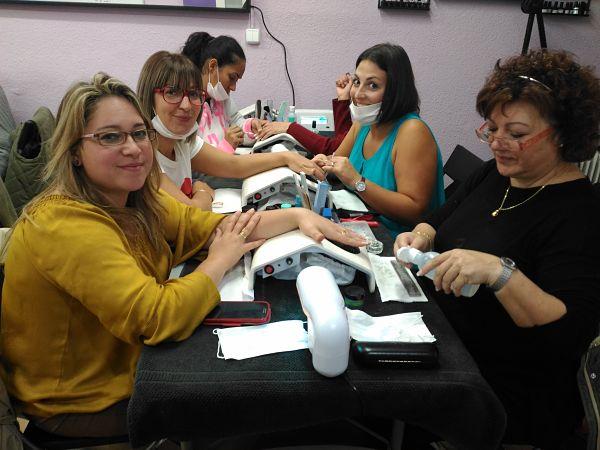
(282, 138)
(261, 186)
(328, 329)
(282, 252)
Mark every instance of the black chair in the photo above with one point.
(588, 380)
(459, 166)
(37, 439)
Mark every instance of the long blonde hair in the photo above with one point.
(142, 209)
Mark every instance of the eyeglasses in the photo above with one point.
(174, 95)
(487, 136)
(112, 138)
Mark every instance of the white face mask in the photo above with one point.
(217, 92)
(252, 341)
(365, 115)
(165, 132)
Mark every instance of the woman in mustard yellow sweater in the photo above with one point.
(88, 262)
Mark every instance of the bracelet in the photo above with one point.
(212, 199)
(426, 236)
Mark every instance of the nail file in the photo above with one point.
(408, 283)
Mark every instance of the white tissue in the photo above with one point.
(406, 327)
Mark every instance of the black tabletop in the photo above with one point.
(182, 390)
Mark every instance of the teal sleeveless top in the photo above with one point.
(380, 170)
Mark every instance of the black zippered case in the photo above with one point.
(422, 355)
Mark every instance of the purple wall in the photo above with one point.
(43, 49)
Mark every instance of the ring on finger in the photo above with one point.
(244, 233)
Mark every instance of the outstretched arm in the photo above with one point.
(212, 161)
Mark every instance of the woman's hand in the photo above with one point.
(256, 125)
(299, 163)
(234, 135)
(455, 268)
(271, 129)
(343, 85)
(230, 239)
(339, 166)
(411, 239)
(200, 186)
(202, 196)
(319, 228)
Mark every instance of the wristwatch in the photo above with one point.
(360, 185)
(508, 267)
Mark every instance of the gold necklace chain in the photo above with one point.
(501, 207)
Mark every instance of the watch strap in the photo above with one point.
(507, 271)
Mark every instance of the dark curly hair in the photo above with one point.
(567, 96)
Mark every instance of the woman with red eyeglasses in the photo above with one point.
(525, 228)
(170, 93)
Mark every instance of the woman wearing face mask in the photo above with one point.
(222, 63)
(389, 157)
(169, 91)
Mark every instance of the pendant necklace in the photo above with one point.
(502, 208)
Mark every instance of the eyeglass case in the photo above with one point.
(422, 355)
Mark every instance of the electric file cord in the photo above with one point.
(284, 52)
(362, 408)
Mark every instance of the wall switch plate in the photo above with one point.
(252, 36)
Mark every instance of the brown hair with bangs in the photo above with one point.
(166, 69)
(566, 95)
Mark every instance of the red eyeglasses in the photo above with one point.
(175, 94)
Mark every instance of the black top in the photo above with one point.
(553, 239)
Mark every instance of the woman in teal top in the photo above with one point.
(390, 157)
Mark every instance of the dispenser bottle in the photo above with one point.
(418, 258)
(292, 114)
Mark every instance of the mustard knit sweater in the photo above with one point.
(79, 301)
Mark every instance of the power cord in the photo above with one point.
(357, 424)
(262, 16)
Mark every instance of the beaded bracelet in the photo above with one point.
(426, 236)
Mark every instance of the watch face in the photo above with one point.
(508, 262)
(360, 186)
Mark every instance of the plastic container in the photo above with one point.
(292, 114)
(418, 258)
(374, 246)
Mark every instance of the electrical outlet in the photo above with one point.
(252, 36)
